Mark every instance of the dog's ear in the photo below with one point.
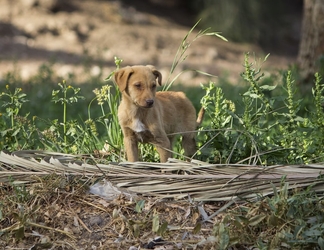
(121, 77)
(157, 73)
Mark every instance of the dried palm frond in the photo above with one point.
(175, 179)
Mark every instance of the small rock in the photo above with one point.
(95, 221)
(133, 248)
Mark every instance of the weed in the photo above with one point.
(65, 100)
(278, 222)
(18, 135)
(110, 96)
(15, 102)
(182, 49)
(263, 128)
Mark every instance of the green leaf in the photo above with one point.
(21, 96)
(255, 96)
(16, 132)
(266, 57)
(20, 233)
(298, 230)
(268, 87)
(321, 243)
(273, 220)
(223, 237)
(108, 78)
(256, 219)
(136, 230)
(216, 34)
(241, 219)
(155, 223)
(197, 228)
(139, 206)
(299, 119)
(163, 228)
(313, 232)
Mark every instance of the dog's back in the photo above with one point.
(178, 113)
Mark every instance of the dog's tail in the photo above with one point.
(200, 116)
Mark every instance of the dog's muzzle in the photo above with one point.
(149, 103)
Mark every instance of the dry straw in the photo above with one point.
(176, 179)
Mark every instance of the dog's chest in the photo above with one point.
(141, 131)
(138, 126)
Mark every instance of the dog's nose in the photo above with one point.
(149, 102)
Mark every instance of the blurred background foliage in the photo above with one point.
(253, 21)
(264, 23)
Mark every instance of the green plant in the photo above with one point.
(112, 96)
(16, 131)
(109, 95)
(65, 100)
(75, 137)
(278, 222)
(182, 49)
(14, 104)
(219, 111)
(262, 128)
(292, 138)
(317, 117)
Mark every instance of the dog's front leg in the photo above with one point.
(131, 148)
(163, 146)
(131, 145)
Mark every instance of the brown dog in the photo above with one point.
(153, 117)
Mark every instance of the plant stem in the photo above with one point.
(12, 115)
(64, 113)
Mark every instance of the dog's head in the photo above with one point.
(138, 83)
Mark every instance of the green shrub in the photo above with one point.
(262, 128)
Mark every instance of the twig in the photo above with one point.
(220, 210)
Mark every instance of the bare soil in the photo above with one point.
(79, 36)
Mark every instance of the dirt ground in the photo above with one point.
(79, 35)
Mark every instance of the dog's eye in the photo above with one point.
(153, 85)
(137, 85)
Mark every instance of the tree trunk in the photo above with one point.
(312, 38)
